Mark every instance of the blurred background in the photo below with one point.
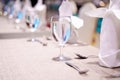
(90, 33)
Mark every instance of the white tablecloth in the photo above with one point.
(22, 60)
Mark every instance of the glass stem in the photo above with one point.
(31, 35)
(33, 38)
(61, 49)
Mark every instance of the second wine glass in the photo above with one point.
(32, 23)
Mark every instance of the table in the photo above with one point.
(22, 60)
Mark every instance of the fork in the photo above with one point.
(77, 68)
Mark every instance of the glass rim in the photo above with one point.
(57, 16)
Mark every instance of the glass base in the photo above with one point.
(32, 40)
(61, 58)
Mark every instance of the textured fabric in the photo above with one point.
(109, 54)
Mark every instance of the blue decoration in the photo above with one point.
(67, 35)
(36, 23)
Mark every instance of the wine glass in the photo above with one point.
(61, 30)
(32, 23)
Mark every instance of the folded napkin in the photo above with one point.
(66, 10)
(26, 5)
(40, 2)
(41, 12)
(109, 55)
(40, 6)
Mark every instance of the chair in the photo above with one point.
(86, 33)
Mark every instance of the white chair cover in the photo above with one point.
(86, 32)
(109, 54)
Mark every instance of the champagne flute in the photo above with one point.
(61, 30)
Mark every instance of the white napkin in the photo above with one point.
(77, 22)
(26, 6)
(40, 10)
(40, 2)
(109, 54)
(39, 6)
(65, 10)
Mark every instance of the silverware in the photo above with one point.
(77, 68)
(44, 44)
(79, 56)
(36, 40)
(113, 75)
